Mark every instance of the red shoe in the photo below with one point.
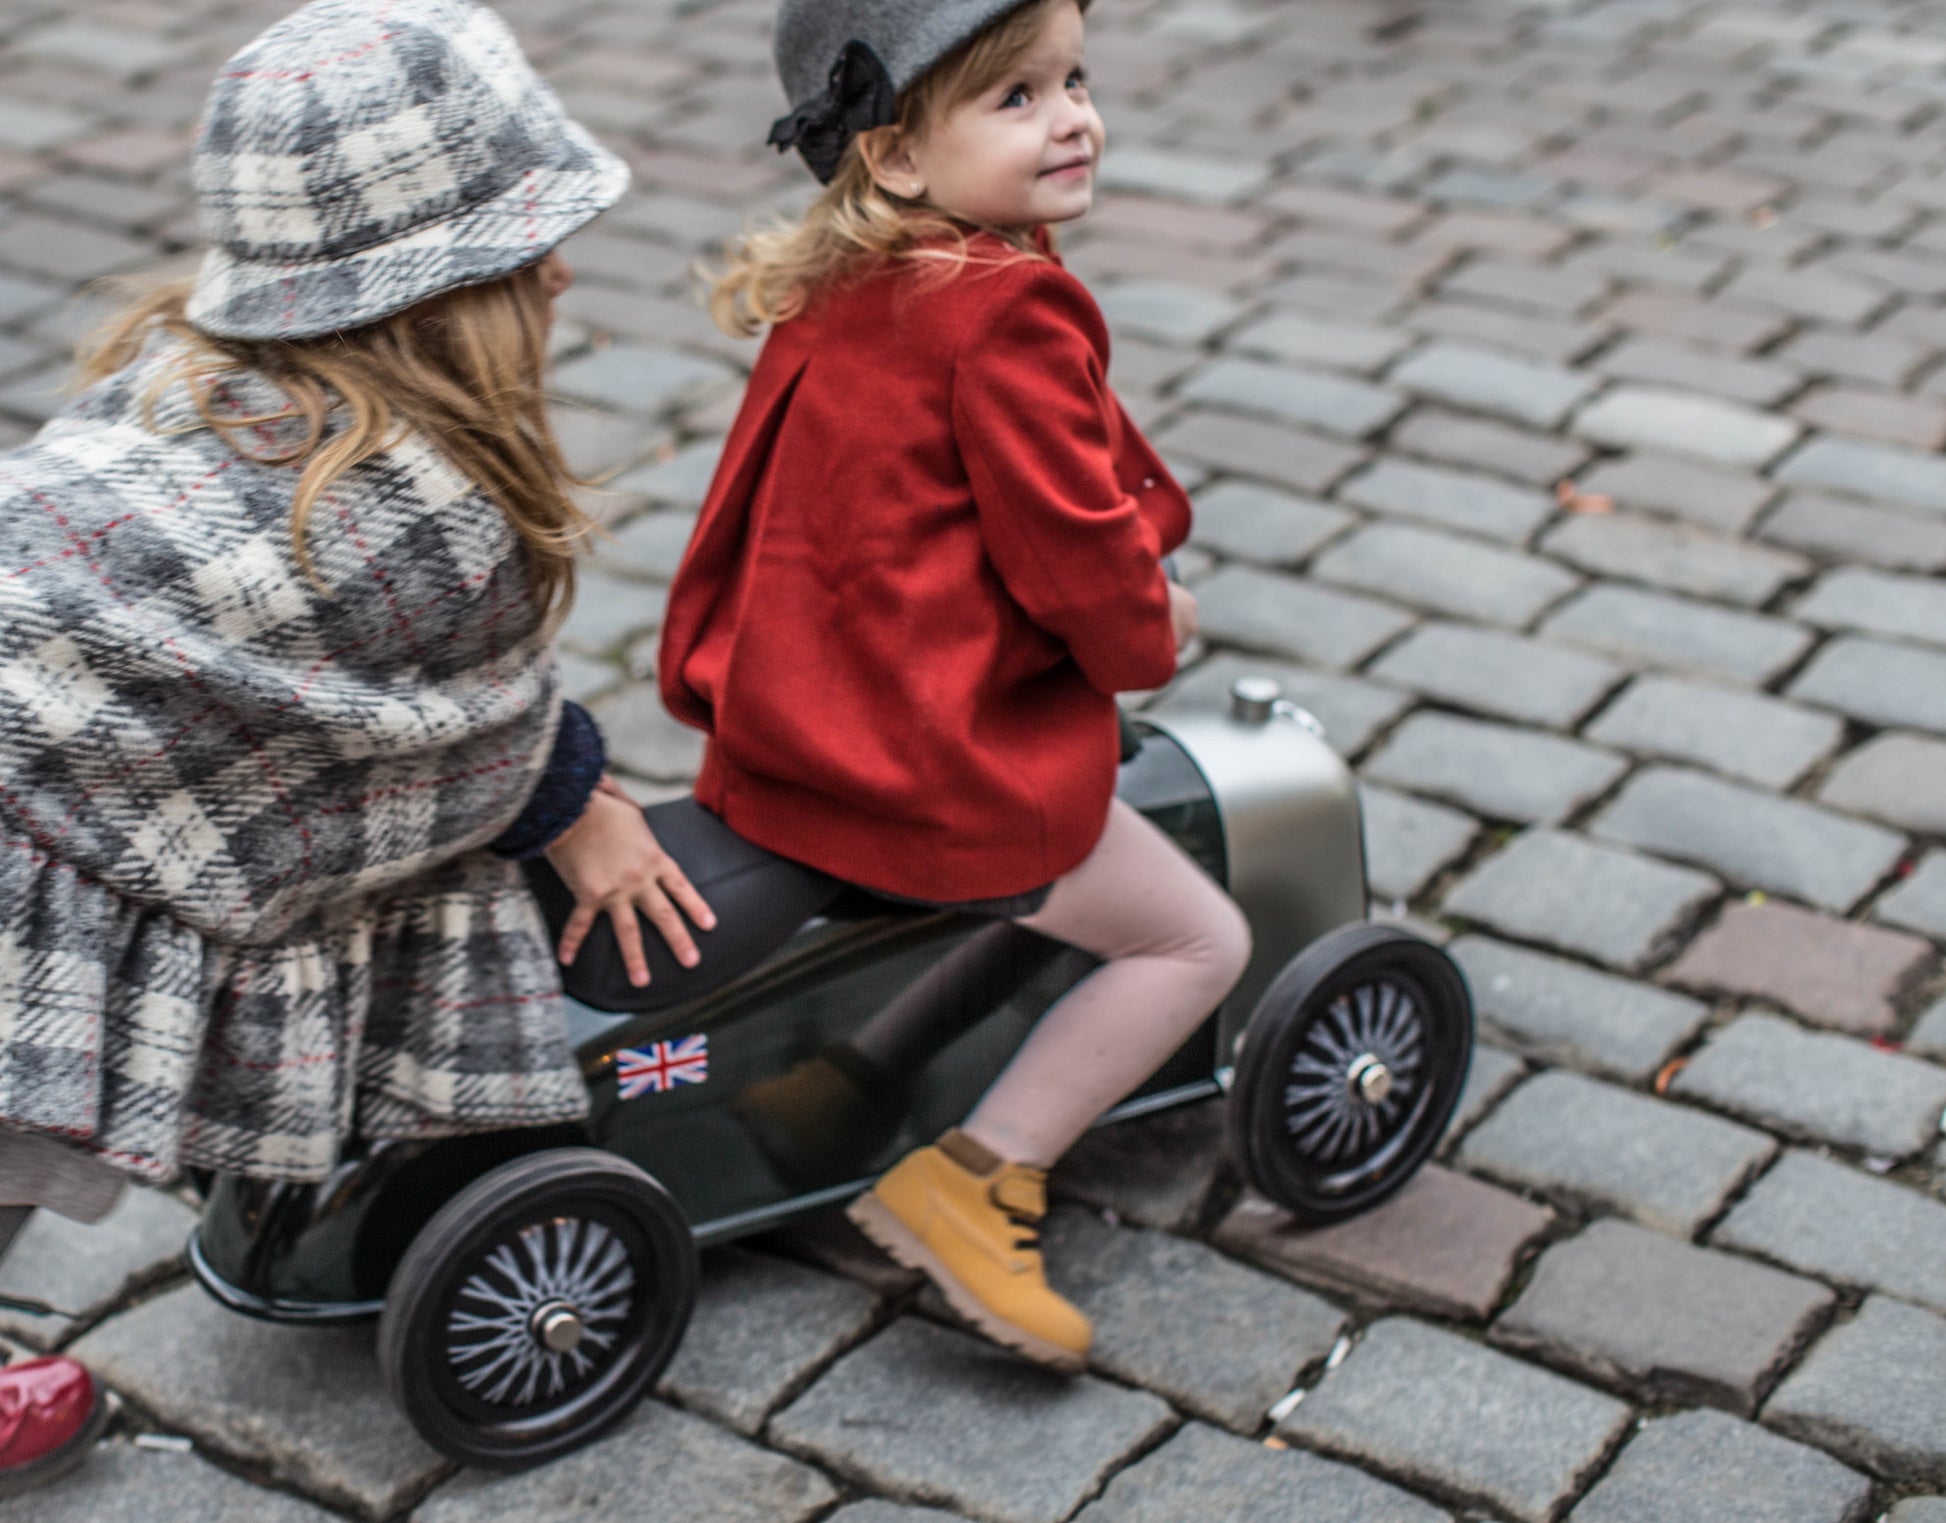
(51, 1413)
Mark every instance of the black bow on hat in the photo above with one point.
(858, 98)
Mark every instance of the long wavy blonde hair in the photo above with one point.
(772, 272)
(465, 370)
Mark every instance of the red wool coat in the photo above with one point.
(928, 561)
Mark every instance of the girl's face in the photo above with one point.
(1019, 154)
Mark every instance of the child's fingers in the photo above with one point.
(662, 914)
(628, 933)
(575, 932)
(684, 893)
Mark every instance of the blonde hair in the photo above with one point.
(772, 272)
(464, 370)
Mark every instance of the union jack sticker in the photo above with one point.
(661, 1066)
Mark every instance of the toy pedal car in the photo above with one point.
(531, 1284)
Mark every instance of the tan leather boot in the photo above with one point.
(969, 1220)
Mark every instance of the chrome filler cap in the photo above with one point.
(1254, 699)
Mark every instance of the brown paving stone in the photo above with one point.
(1830, 971)
(1445, 1244)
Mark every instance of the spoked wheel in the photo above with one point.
(1350, 1068)
(535, 1308)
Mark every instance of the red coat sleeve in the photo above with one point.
(1037, 427)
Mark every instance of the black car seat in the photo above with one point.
(760, 900)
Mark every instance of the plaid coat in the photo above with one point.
(242, 909)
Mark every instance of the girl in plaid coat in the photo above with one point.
(278, 704)
(929, 561)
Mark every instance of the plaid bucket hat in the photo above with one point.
(363, 155)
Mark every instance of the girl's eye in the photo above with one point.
(1014, 97)
(1078, 80)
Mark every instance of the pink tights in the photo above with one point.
(1172, 945)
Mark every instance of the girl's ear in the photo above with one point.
(891, 163)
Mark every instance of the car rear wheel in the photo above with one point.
(1349, 1070)
(536, 1307)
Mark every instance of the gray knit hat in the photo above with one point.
(844, 64)
(362, 155)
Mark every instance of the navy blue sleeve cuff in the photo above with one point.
(562, 794)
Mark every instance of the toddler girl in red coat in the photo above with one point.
(928, 562)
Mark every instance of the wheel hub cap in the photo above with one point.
(1355, 1074)
(558, 1327)
(541, 1312)
(1369, 1079)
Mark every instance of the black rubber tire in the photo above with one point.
(1268, 1127)
(576, 1191)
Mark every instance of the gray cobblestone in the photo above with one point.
(1655, 362)
(1817, 1086)
(1624, 910)
(762, 1327)
(1663, 1320)
(1361, 348)
(1409, 842)
(1201, 1474)
(1821, 296)
(1270, 452)
(1257, 524)
(1181, 176)
(1749, 735)
(1685, 423)
(1871, 1393)
(1839, 529)
(1483, 380)
(1177, 1318)
(1728, 1471)
(1821, 1218)
(1704, 494)
(1443, 1414)
(1503, 675)
(1491, 1074)
(1445, 573)
(650, 545)
(1262, 610)
(1168, 312)
(1877, 682)
(85, 1270)
(995, 1437)
(1919, 903)
(1877, 602)
(1494, 770)
(1919, 1510)
(121, 1481)
(1898, 778)
(1673, 556)
(1482, 444)
(699, 1472)
(638, 379)
(1751, 839)
(307, 1404)
(1879, 471)
(1595, 1145)
(1660, 629)
(1309, 398)
(1563, 1012)
(682, 480)
(1451, 499)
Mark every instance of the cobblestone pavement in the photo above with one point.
(1562, 387)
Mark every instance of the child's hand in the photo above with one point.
(1182, 613)
(611, 861)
